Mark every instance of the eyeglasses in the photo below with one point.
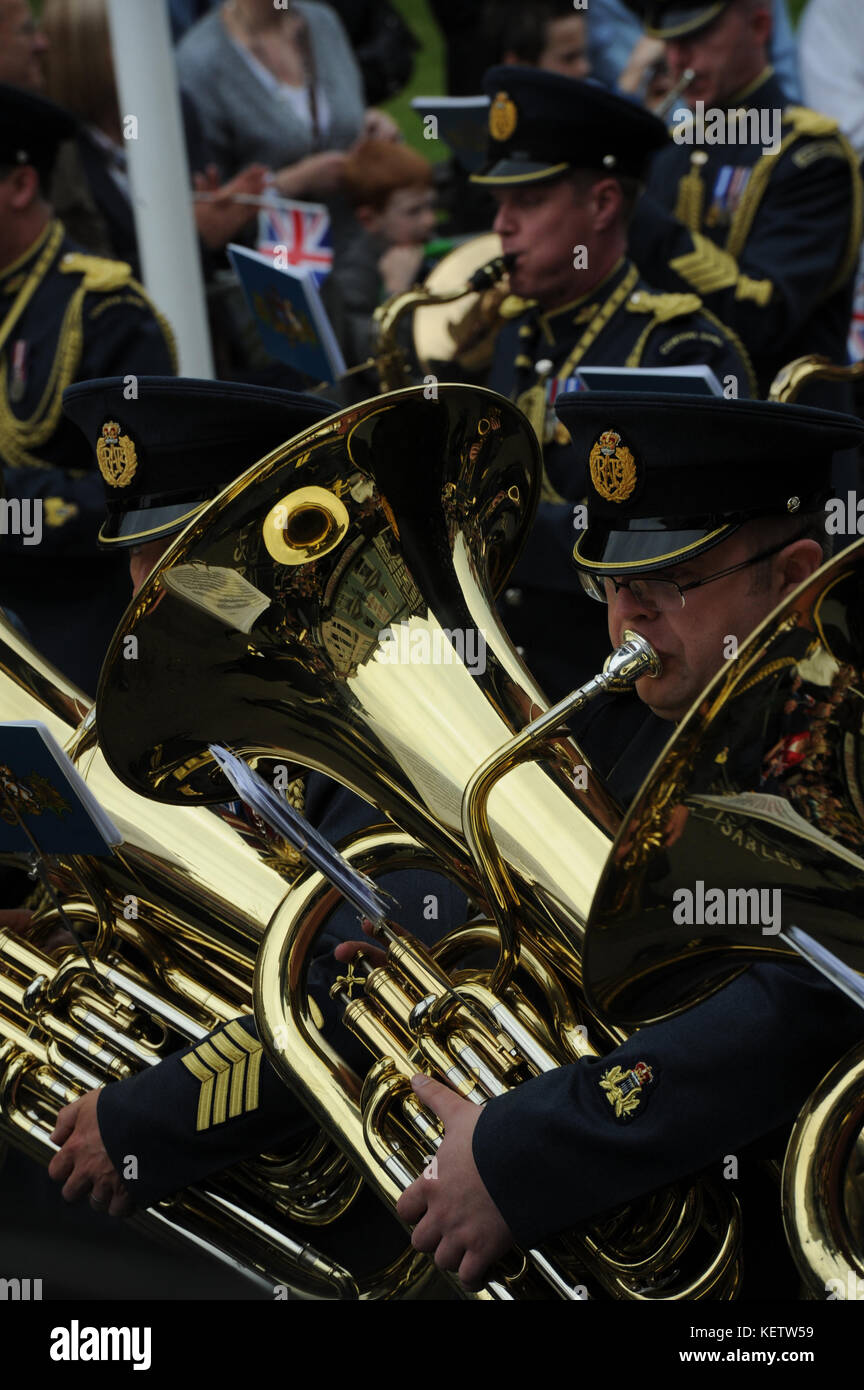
(664, 595)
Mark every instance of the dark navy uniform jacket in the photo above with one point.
(725, 1073)
(769, 242)
(155, 1115)
(86, 318)
(561, 633)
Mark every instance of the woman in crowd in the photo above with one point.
(281, 87)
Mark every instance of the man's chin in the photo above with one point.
(659, 694)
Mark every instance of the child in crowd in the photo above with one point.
(391, 189)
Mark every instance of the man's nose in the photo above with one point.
(625, 610)
(678, 56)
(504, 223)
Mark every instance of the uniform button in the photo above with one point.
(513, 597)
(520, 651)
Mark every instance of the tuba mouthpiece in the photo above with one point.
(633, 659)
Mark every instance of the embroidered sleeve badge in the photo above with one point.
(624, 1089)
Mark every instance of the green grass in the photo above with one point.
(428, 79)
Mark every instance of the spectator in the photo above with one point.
(832, 64)
(390, 188)
(383, 44)
(91, 190)
(281, 87)
(22, 46)
(547, 34)
(832, 71)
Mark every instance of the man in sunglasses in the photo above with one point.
(703, 516)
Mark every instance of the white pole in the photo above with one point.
(159, 174)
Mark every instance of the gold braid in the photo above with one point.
(21, 436)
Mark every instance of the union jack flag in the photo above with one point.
(297, 234)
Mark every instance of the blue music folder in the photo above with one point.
(289, 315)
(40, 786)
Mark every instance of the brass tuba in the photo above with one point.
(172, 921)
(368, 553)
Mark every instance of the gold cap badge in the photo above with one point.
(613, 468)
(115, 454)
(502, 116)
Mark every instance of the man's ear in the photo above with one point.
(606, 201)
(24, 188)
(797, 562)
(762, 24)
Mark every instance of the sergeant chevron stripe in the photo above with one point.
(228, 1066)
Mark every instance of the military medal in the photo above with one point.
(18, 385)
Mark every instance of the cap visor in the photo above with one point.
(676, 23)
(134, 528)
(511, 171)
(603, 550)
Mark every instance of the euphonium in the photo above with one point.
(172, 921)
(334, 607)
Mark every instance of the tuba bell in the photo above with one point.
(335, 608)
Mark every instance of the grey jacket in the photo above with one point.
(244, 123)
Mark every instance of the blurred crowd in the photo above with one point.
(288, 97)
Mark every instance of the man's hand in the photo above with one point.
(455, 1219)
(82, 1164)
(220, 216)
(15, 920)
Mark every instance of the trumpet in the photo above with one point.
(667, 105)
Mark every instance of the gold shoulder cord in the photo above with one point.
(804, 123)
(20, 436)
(599, 322)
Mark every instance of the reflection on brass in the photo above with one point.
(322, 680)
(794, 376)
(823, 1183)
(304, 525)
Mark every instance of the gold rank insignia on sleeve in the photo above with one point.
(115, 454)
(503, 116)
(612, 467)
(624, 1089)
(228, 1067)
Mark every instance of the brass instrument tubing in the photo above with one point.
(634, 658)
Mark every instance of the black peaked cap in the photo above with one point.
(541, 124)
(165, 454)
(670, 476)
